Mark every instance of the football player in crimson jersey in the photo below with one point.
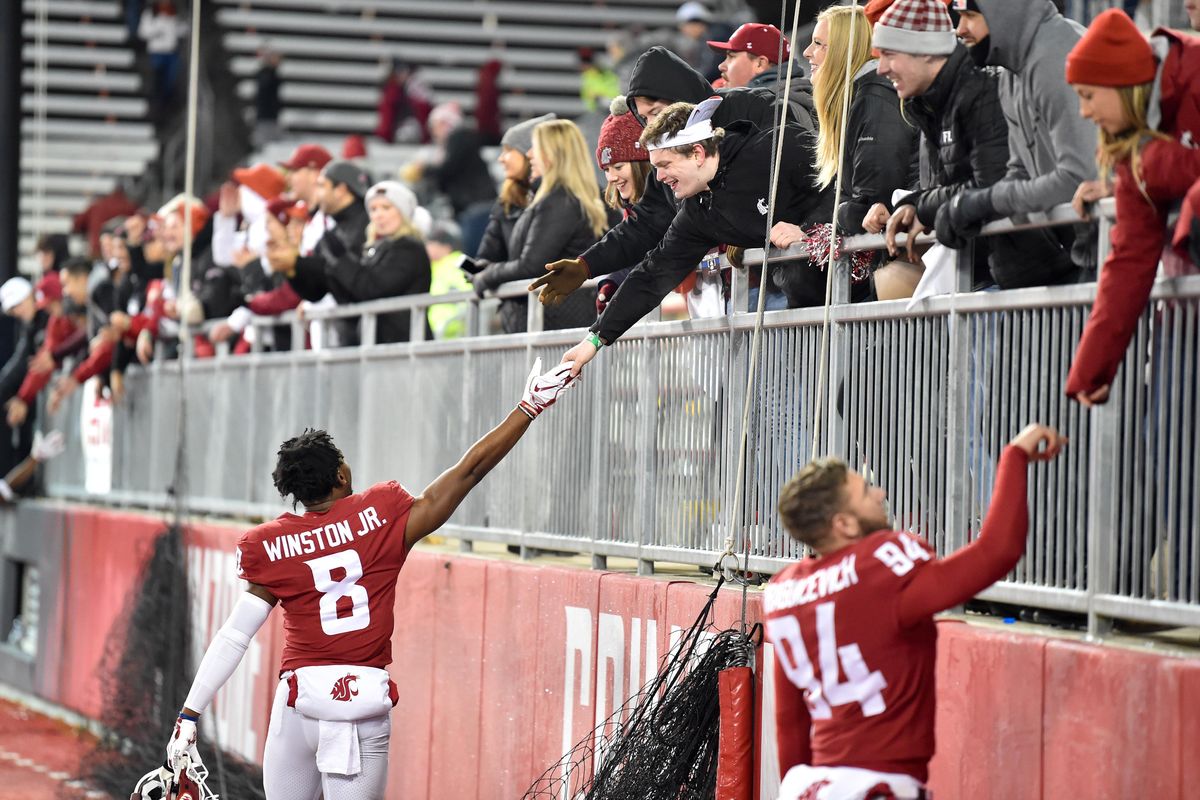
(334, 570)
(853, 631)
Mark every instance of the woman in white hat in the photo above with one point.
(393, 261)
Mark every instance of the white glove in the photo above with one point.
(48, 446)
(239, 319)
(542, 390)
(181, 750)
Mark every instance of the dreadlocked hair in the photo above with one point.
(307, 468)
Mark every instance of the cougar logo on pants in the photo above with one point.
(345, 688)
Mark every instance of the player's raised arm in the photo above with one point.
(959, 577)
(439, 500)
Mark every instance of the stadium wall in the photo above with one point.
(501, 664)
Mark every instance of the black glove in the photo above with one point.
(959, 221)
(480, 283)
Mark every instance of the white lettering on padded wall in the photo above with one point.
(215, 589)
(619, 670)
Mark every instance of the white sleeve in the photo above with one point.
(227, 649)
(224, 230)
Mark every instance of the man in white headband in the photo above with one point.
(722, 178)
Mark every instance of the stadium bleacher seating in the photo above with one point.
(334, 52)
(84, 112)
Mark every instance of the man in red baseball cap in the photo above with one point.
(752, 50)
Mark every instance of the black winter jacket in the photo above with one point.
(881, 150)
(348, 235)
(662, 74)
(733, 211)
(30, 337)
(498, 233)
(554, 228)
(801, 106)
(964, 134)
(385, 268)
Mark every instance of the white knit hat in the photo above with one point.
(919, 27)
(397, 194)
(405, 202)
(13, 292)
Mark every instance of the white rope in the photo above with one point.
(189, 175)
(823, 358)
(756, 339)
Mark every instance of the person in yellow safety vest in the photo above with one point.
(443, 244)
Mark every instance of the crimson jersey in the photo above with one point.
(867, 682)
(335, 574)
(856, 645)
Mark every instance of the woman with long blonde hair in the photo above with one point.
(565, 217)
(879, 151)
(1144, 96)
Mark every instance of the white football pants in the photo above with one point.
(290, 759)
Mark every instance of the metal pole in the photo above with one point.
(189, 176)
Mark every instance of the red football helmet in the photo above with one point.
(189, 783)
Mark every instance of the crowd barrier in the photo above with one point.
(640, 460)
(503, 665)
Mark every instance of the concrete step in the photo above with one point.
(65, 184)
(62, 55)
(84, 80)
(51, 203)
(647, 13)
(95, 151)
(430, 55)
(88, 130)
(83, 166)
(57, 31)
(86, 106)
(420, 30)
(94, 9)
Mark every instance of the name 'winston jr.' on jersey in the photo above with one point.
(334, 570)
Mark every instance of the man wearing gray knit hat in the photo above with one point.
(520, 136)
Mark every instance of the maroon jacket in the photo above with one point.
(1168, 170)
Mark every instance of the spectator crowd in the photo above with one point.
(927, 116)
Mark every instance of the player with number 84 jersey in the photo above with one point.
(865, 681)
(852, 629)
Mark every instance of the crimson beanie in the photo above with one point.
(1112, 52)
(619, 138)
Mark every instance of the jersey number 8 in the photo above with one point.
(861, 686)
(332, 591)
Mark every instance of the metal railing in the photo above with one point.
(639, 461)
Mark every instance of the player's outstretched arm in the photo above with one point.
(959, 577)
(440, 498)
(220, 660)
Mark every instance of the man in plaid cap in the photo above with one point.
(957, 108)
(1052, 147)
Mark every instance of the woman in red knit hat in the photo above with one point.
(1144, 96)
(626, 166)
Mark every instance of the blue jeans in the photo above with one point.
(776, 301)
